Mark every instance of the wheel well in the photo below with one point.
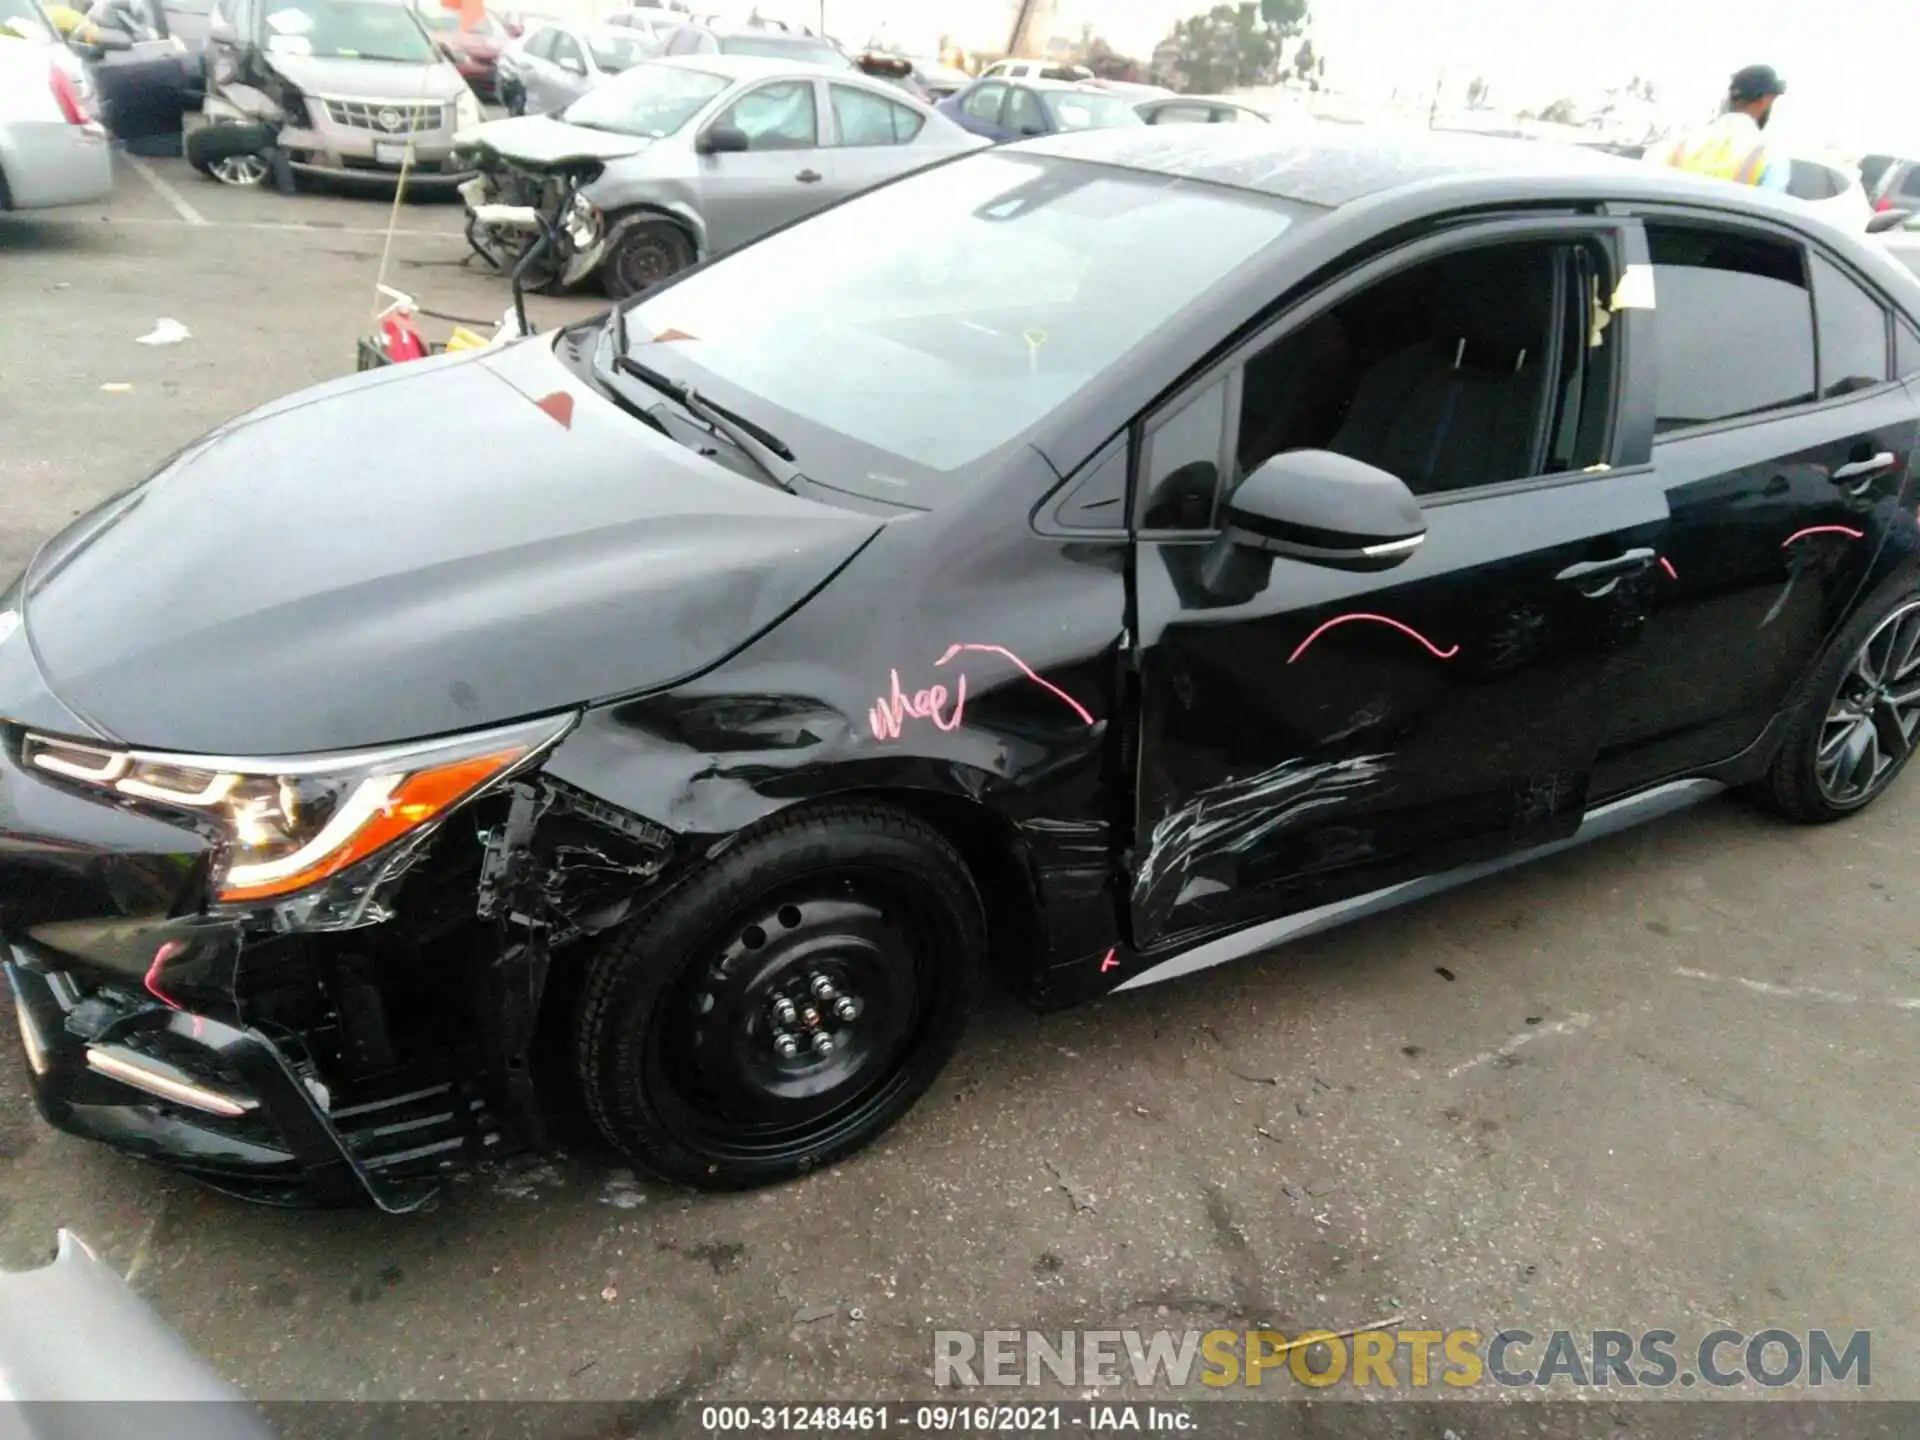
(1016, 931)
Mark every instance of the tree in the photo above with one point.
(1303, 60)
(1561, 112)
(1228, 46)
(1476, 92)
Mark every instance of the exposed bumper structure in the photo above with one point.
(226, 1104)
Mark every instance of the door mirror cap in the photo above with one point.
(722, 140)
(1887, 220)
(1326, 509)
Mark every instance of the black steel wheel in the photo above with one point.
(784, 1004)
(1856, 727)
(643, 255)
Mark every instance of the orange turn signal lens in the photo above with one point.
(381, 809)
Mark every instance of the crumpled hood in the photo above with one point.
(433, 547)
(542, 140)
(344, 79)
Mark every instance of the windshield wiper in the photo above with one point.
(761, 446)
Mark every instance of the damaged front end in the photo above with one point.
(501, 182)
(302, 981)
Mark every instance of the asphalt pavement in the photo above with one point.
(1663, 1081)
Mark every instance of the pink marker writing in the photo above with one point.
(888, 711)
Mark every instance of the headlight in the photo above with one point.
(289, 823)
(583, 223)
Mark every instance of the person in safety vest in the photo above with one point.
(1731, 148)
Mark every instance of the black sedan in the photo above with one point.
(1127, 551)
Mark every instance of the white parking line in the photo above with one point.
(302, 227)
(165, 191)
(1580, 1020)
(1799, 992)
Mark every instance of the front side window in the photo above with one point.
(776, 117)
(1733, 325)
(1478, 367)
(566, 54)
(946, 314)
(1853, 332)
(649, 100)
(1180, 115)
(868, 119)
(540, 46)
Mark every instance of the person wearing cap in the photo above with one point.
(1731, 148)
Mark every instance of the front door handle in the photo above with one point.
(1862, 470)
(808, 177)
(1595, 579)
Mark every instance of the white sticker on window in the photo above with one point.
(1635, 290)
(1077, 116)
(290, 22)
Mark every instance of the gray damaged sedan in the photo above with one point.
(682, 158)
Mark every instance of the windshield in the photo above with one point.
(614, 52)
(348, 30)
(1088, 109)
(942, 316)
(650, 100)
(775, 47)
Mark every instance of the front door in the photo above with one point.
(1331, 732)
(783, 173)
(1783, 445)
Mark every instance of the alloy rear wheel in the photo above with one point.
(1859, 719)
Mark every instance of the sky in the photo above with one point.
(1844, 63)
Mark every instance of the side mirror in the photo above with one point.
(1325, 509)
(572, 66)
(1033, 127)
(722, 140)
(1888, 220)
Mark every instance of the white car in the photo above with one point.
(1035, 70)
(1833, 188)
(555, 64)
(53, 148)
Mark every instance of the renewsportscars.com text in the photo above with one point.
(1403, 1359)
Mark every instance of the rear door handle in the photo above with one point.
(808, 177)
(1862, 470)
(1596, 578)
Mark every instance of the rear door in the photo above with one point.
(1339, 732)
(783, 174)
(1782, 441)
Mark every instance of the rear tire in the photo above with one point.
(1854, 726)
(645, 254)
(854, 922)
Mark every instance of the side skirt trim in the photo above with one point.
(1605, 820)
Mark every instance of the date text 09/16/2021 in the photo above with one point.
(938, 1419)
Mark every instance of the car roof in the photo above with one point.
(1047, 82)
(757, 67)
(1335, 165)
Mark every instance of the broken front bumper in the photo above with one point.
(225, 1103)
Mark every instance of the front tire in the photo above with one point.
(643, 256)
(1855, 727)
(784, 1004)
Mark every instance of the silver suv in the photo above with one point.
(347, 83)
